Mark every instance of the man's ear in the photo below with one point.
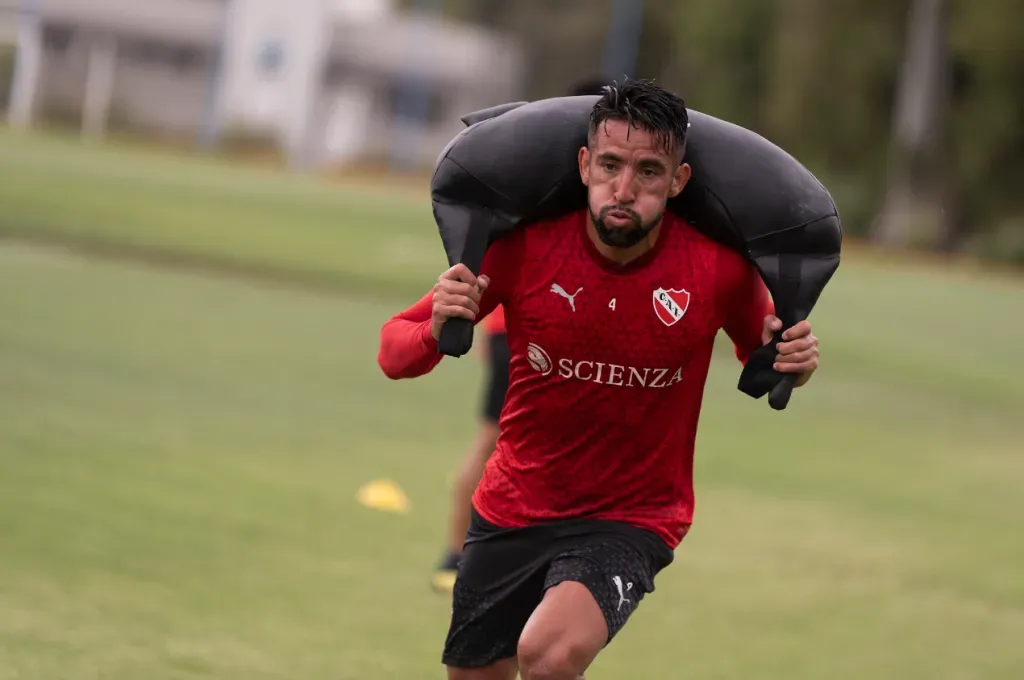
(679, 180)
(584, 160)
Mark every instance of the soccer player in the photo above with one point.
(471, 468)
(611, 315)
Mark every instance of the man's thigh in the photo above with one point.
(591, 590)
(564, 635)
(616, 570)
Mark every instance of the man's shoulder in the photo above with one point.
(536, 240)
(559, 224)
(546, 227)
(698, 240)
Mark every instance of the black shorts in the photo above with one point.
(498, 358)
(505, 572)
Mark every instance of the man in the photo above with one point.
(471, 468)
(611, 315)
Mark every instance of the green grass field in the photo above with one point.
(180, 453)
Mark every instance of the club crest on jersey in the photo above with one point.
(670, 305)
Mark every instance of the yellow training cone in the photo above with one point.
(384, 495)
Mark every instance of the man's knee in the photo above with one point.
(559, 659)
(565, 633)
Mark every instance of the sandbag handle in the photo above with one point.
(456, 337)
(779, 396)
(759, 376)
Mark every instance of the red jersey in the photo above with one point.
(607, 373)
(495, 321)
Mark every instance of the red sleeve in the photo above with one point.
(746, 303)
(407, 348)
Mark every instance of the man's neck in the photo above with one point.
(623, 256)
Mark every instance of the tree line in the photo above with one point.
(910, 111)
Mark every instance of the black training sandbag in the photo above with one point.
(517, 163)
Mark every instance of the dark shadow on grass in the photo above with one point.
(220, 265)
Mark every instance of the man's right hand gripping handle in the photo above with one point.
(456, 304)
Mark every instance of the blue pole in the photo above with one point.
(623, 38)
(209, 124)
(25, 80)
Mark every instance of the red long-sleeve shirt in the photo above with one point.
(607, 374)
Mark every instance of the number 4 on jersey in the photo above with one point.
(611, 304)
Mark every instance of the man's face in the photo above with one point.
(629, 179)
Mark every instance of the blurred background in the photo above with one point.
(209, 207)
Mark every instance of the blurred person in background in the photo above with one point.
(494, 347)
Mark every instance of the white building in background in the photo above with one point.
(8, 22)
(321, 77)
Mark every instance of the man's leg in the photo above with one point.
(471, 469)
(592, 590)
(474, 460)
(564, 635)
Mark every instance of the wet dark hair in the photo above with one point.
(642, 104)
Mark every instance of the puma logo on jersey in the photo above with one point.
(558, 290)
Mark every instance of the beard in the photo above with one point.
(622, 237)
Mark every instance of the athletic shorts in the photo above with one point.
(498, 358)
(505, 572)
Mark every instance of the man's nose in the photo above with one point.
(625, 191)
